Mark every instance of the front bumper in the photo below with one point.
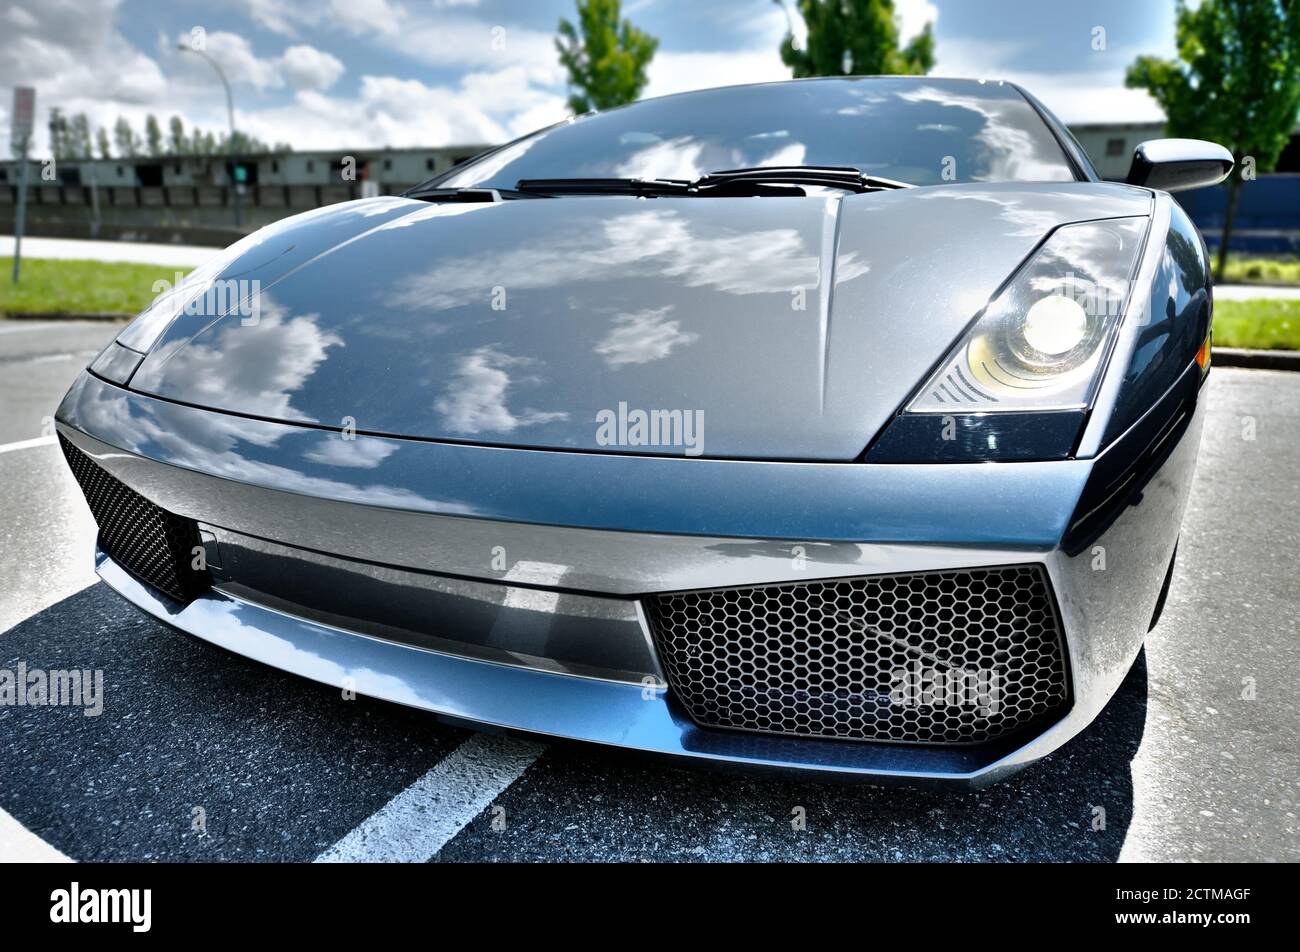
(582, 537)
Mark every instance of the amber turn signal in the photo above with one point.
(1203, 355)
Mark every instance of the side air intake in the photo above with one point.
(151, 543)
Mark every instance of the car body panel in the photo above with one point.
(1011, 505)
(517, 323)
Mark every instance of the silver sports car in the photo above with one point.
(843, 425)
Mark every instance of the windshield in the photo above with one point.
(913, 129)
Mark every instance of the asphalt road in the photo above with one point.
(279, 768)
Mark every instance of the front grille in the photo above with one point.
(936, 658)
(148, 541)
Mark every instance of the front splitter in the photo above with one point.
(549, 705)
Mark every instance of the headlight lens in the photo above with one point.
(1041, 342)
(1054, 326)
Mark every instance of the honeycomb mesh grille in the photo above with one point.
(148, 541)
(937, 658)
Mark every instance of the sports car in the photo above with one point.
(840, 425)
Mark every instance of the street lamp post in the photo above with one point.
(230, 112)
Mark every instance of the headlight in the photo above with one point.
(1041, 343)
(122, 357)
(1054, 326)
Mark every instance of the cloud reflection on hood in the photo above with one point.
(643, 336)
(651, 243)
(475, 398)
(255, 367)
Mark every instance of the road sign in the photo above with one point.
(24, 113)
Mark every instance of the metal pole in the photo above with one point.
(94, 198)
(234, 181)
(21, 215)
(230, 113)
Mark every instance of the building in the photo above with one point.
(1110, 145)
(190, 198)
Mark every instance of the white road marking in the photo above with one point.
(20, 845)
(539, 573)
(26, 444)
(420, 820)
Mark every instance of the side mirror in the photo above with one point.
(1174, 165)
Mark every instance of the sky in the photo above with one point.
(368, 73)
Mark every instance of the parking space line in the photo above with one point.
(26, 444)
(20, 845)
(419, 821)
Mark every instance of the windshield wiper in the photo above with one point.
(783, 180)
(829, 176)
(604, 186)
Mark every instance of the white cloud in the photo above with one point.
(332, 450)
(20, 19)
(1077, 97)
(309, 68)
(681, 72)
(278, 16)
(234, 54)
(71, 52)
(656, 241)
(643, 336)
(1087, 97)
(366, 16)
(513, 83)
(494, 85)
(455, 40)
(439, 33)
(300, 65)
(475, 399)
(913, 15)
(258, 365)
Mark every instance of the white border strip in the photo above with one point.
(26, 444)
(420, 820)
(20, 845)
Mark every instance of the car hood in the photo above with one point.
(760, 328)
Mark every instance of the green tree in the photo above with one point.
(1236, 81)
(177, 144)
(606, 58)
(125, 139)
(101, 143)
(857, 37)
(58, 126)
(79, 143)
(153, 135)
